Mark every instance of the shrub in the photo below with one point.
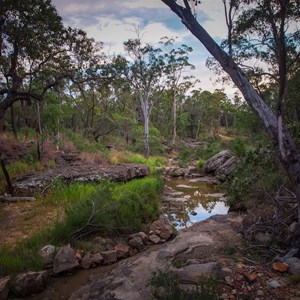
(237, 147)
(165, 287)
(260, 169)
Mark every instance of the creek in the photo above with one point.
(191, 200)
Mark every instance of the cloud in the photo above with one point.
(112, 22)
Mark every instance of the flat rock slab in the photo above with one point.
(130, 278)
(40, 181)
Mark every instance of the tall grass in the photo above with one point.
(154, 162)
(107, 208)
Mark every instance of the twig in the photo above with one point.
(15, 199)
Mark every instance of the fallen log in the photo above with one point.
(15, 199)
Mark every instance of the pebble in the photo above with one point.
(273, 284)
(260, 293)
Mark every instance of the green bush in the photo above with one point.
(165, 287)
(259, 170)
(237, 147)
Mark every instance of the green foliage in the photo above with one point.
(210, 149)
(260, 168)
(155, 140)
(237, 147)
(201, 164)
(165, 287)
(19, 258)
(83, 144)
(106, 208)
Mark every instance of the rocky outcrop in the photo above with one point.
(130, 278)
(4, 287)
(222, 165)
(40, 181)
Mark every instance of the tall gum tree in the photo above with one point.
(287, 150)
(146, 73)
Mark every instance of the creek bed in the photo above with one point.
(191, 200)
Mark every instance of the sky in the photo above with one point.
(112, 22)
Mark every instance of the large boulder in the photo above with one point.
(29, 283)
(223, 164)
(217, 161)
(65, 260)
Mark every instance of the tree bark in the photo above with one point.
(288, 154)
(174, 115)
(6, 174)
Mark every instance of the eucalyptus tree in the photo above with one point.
(278, 13)
(146, 72)
(177, 62)
(37, 53)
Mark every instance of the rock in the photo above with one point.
(163, 228)
(140, 234)
(29, 283)
(110, 256)
(184, 186)
(48, 253)
(48, 250)
(227, 168)
(192, 274)
(217, 161)
(294, 264)
(280, 266)
(79, 173)
(136, 242)
(86, 261)
(181, 172)
(123, 250)
(65, 260)
(260, 293)
(250, 277)
(272, 283)
(4, 287)
(154, 238)
(97, 258)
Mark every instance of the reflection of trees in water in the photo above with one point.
(183, 218)
(209, 204)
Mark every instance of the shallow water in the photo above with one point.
(202, 201)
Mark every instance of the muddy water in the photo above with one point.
(202, 201)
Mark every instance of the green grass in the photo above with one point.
(165, 287)
(154, 162)
(21, 257)
(84, 145)
(106, 209)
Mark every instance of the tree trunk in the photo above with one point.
(145, 109)
(13, 122)
(6, 174)
(288, 154)
(174, 115)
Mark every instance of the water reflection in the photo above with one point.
(202, 201)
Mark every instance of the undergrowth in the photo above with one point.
(106, 209)
(164, 286)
